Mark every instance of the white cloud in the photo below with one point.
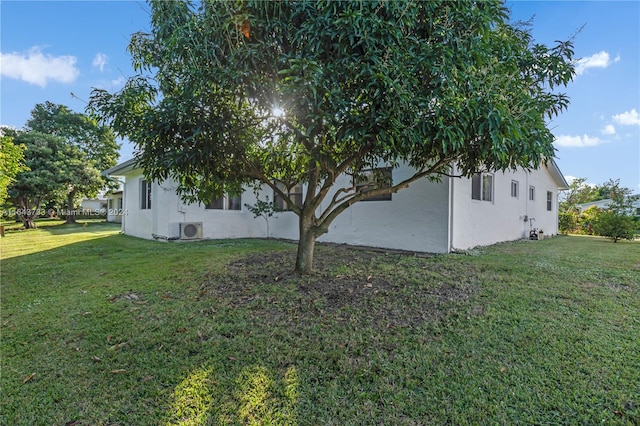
(609, 129)
(34, 67)
(577, 141)
(570, 179)
(99, 61)
(628, 118)
(118, 82)
(597, 60)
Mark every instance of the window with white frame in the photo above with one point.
(549, 201)
(532, 193)
(515, 189)
(371, 179)
(145, 194)
(294, 193)
(482, 187)
(226, 202)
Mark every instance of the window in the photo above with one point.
(515, 189)
(234, 202)
(295, 194)
(482, 187)
(532, 193)
(375, 179)
(145, 194)
(226, 202)
(549, 200)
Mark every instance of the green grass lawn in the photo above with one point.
(101, 329)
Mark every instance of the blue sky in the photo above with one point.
(53, 48)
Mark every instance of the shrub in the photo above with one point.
(567, 222)
(587, 220)
(614, 225)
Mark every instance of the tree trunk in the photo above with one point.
(306, 245)
(28, 222)
(28, 214)
(71, 217)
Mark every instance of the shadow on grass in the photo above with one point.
(58, 227)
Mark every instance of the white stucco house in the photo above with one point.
(436, 217)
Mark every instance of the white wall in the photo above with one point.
(476, 223)
(167, 212)
(115, 209)
(415, 219)
(135, 221)
(93, 205)
(223, 223)
(427, 216)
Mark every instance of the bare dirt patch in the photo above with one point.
(391, 288)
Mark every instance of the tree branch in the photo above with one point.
(332, 211)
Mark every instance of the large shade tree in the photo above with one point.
(51, 166)
(11, 160)
(356, 85)
(96, 143)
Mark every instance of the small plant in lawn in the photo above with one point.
(264, 209)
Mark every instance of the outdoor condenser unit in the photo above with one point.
(190, 230)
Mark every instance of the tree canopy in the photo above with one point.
(579, 192)
(356, 85)
(51, 165)
(96, 141)
(616, 222)
(11, 162)
(87, 140)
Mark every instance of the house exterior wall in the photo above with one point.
(93, 205)
(428, 216)
(167, 212)
(136, 222)
(606, 203)
(115, 207)
(504, 218)
(217, 224)
(414, 219)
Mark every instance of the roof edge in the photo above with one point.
(120, 169)
(557, 175)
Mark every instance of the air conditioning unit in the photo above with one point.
(190, 230)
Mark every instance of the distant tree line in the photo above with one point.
(618, 220)
(56, 159)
